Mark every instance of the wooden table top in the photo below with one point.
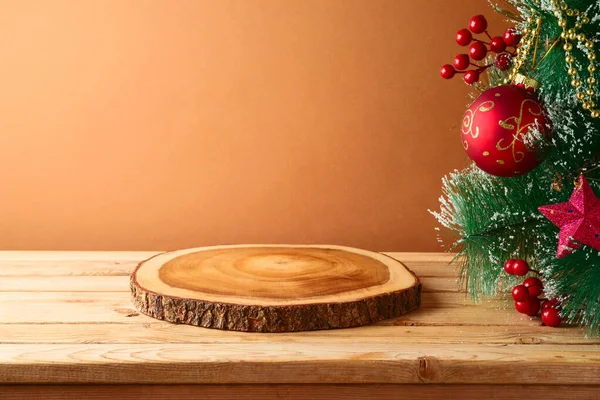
(66, 317)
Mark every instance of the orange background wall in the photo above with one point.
(156, 124)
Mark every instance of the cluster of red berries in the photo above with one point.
(478, 50)
(526, 295)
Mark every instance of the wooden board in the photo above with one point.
(299, 392)
(274, 288)
(66, 318)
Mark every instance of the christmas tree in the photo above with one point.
(528, 201)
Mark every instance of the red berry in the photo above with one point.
(534, 306)
(508, 266)
(535, 291)
(497, 44)
(551, 303)
(511, 37)
(471, 77)
(447, 71)
(464, 37)
(520, 267)
(503, 61)
(478, 24)
(530, 307)
(520, 293)
(462, 62)
(477, 51)
(551, 317)
(534, 286)
(522, 306)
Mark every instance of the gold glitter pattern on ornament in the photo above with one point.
(514, 124)
(467, 125)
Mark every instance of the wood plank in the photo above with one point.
(91, 317)
(116, 307)
(66, 268)
(72, 322)
(410, 257)
(89, 313)
(120, 283)
(328, 362)
(438, 311)
(298, 392)
(44, 255)
(20, 284)
(428, 269)
(162, 332)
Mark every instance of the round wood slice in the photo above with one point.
(274, 288)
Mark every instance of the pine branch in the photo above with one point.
(497, 218)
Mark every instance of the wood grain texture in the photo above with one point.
(274, 288)
(161, 332)
(290, 362)
(120, 283)
(437, 309)
(74, 333)
(299, 392)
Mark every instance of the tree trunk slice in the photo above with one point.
(274, 288)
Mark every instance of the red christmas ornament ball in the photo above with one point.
(534, 286)
(496, 130)
(478, 24)
(464, 37)
(551, 317)
(447, 71)
(471, 76)
(462, 62)
(478, 51)
(520, 293)
(511, 37)
(520, 267)
(497, 44)
(503, 61)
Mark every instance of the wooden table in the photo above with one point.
(66, 319)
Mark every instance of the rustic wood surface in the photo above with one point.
(274, 288)
(67, 318)
(299, 392)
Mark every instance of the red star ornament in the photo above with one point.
(578, 219)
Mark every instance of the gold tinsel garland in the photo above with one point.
(571, 33)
